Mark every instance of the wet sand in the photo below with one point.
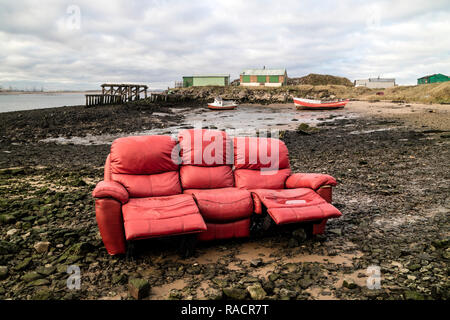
(432, 116)
(393, 191)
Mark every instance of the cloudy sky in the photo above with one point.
(81, 44)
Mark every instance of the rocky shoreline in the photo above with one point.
(429, 93)
(393, 190)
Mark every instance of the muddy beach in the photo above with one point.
(390, 160)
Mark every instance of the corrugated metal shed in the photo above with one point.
(264, 72)
(220, 75)
(433, 78)
(199, 80)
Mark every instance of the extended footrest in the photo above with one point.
(161, 216)
(295, 205)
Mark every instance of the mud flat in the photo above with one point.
(393, 192)
(247, 120)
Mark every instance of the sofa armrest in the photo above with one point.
(309, 180)
(108, 213)
(111, 189)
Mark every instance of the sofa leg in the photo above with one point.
(187, 247)
(267, 223)
(319, 228)
(130, 251)
(260, 223)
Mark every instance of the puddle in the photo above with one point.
(208, 255)
(160, 114)
(370, 131)
(359, 277)
(203, 289)
(120, 296)
(320, 294)
(394, 222)
(162, 292)
(264, 272)
(244, 121)
(251, 251)
(345, 259)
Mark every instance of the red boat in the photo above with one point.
(318, 105)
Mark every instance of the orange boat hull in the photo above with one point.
(222, 108)
(301, 105)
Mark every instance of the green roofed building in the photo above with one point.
(434, 78)
(264, 77)
(200, 80)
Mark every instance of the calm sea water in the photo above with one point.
(17, 102)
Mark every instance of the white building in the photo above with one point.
(376, 83)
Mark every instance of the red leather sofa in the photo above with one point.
(206, 183)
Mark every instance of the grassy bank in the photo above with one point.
(425, 93)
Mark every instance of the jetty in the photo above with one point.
(113, 93)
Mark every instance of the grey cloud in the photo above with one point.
(157, 42)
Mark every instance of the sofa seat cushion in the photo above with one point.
(223, 205)
(295, 205)
(161, 216)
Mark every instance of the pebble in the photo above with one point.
(11, 232)
(348, 283)
(42, 247)
(138, 288)
(3, 272)
(235, 293)
(256, 262)
(256, 292)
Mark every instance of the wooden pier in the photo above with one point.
(100, 99)
(117, 93)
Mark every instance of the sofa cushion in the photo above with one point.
(223, 205)
(256, 153)
(143, 155)
(202, 147)
(195, 177)
(295, 205)
(256, 179)
(161, 216)
(150, 185)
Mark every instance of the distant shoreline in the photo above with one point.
(46, 92)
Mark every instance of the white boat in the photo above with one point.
(220, 104)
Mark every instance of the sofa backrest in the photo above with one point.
(260, 163)
(144, 165)
(206, 158)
